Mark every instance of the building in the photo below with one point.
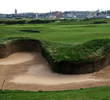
(15, 11)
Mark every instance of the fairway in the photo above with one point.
(74, 34)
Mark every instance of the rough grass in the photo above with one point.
(90, 51)
(100, 93)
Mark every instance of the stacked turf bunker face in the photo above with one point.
(63, 58)
(88, 57)
(19, 45)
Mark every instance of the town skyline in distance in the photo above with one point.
(59, 14)
(17, 11)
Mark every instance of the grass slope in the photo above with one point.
(64, 42)
(100, 93)
(90, 51)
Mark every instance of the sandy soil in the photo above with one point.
(17, 58)
(30, 71)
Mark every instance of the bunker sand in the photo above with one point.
(30, 71)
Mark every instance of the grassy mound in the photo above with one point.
(82, 58)
(88, 51)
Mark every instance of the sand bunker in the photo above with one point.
(40, 74)
(17, 58)
(30, 68)
(39, 71)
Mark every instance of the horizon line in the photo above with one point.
(57, 11)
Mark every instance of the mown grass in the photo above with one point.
(99, 93)
(62, 41)
(58, 33)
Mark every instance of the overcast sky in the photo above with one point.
(8, 6)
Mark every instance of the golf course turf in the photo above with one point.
(100, 93)
(70, 48)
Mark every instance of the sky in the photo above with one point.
(41, 6)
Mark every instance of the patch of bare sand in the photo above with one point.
(41, 74)
(30, 71)
(17, 58)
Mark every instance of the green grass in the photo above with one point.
(62, 41)
(58, 33)
(99, 93)
(90, 51)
